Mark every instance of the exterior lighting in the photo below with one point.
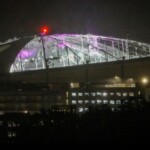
(144, 80)
(71, 84)
(45, 30)
(25, 111)
(117, 79)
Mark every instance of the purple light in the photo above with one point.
(61, 45)
(26, 54)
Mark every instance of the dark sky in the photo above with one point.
(117, 18)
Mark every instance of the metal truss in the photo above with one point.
(63, 50)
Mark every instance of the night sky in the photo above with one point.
(117, 18)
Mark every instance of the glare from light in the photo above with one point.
(144, 80)
(25, 111)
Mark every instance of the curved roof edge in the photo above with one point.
(9, 51)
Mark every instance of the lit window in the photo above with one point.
(74, 94)
(80, 109)
(118, 94)
(74, 85)
(66, 94)
(11, 124)
(86, 94)
(125, 94)
(80, 101)
(105, 94)
(113, 109)
(86, 109)
(111, 93)
(11, 134)
(131, 94)
(74, 102)
(99, 101)
(118, 102)
(86, 101)
(125, 101)
(93, 94)
(67, 101)
(112, 102)
(139, 92)
(105, 101)
(71, 85)
(93, 101)
(80, 94)
(41, 123)
(98, 93)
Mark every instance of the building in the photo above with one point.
(79, 70)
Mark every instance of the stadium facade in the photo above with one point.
(64, 70)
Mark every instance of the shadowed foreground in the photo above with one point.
(97, 126)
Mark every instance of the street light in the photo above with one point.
(144, 80)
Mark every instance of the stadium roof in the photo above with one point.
(9, 51)
(61, 50)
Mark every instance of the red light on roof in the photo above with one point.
(44, 30)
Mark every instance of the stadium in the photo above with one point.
(72, 70)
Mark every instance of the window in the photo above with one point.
(118, 102)
(86, 94)
(112, 102)
(113, 109)
(67, 101)
(131, 94)
(139, 92)
(11, 134)
(99, 93)
(80, 101)
(111, 93)
(93, 101)
(86, 101)
(11, 124)
(80, 94)
(74, 94)
(105, 93)
(118, 94)
(93, 94)
(125, 94)
(105, 101)
(74, 85)
(86, 109)
(74, 101)
(66, 94)
(80, 109)
(125, 101)
(99, 101)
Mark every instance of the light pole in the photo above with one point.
(145, 82)
(44, 31)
